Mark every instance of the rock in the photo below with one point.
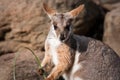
(8, 47)
(4, 22)
(11, 46)
(22, 23)
(112, 30)
(108, 4)
(26, 67)
(111, 6)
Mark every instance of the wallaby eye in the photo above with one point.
(67, 27)
(55, 27)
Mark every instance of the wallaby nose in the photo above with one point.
(62, 37)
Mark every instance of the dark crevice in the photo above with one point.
(97, 30)
(4, 28)
(6, 52)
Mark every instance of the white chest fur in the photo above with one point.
(53, 44)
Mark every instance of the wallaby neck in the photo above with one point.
(71, 42)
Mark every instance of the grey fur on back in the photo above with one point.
(99, 61)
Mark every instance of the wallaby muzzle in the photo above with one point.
(62, 37)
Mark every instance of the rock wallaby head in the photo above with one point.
(62, 22)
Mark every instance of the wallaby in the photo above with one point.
(77, 57)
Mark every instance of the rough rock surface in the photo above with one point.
(112, 30)
(108, 4)
(26, 67)
(22, 23)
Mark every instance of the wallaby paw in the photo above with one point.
(40, 71)
(49, 78)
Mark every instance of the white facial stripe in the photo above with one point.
(53, 30)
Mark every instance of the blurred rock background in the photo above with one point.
(23, 23)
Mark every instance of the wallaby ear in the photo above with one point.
(76, 11)
(50, 12)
